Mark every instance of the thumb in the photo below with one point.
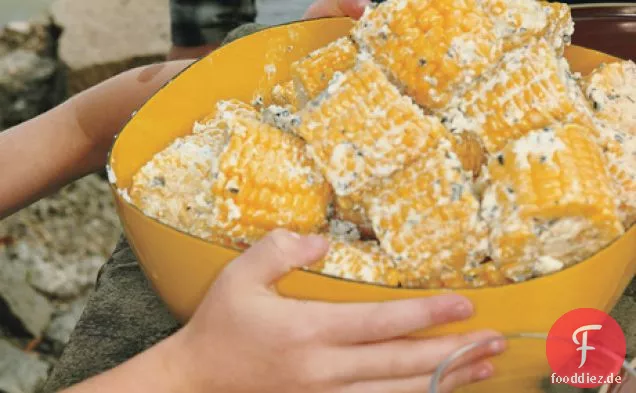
(326, 8)
(274, 256)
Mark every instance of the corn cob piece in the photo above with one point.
(530, 90)
(361, 129)
(174, 187)
(434, 49)
(266, 181)
(550, 202)
(560, 25)
(312, 74)
(427, 218)
(359, 261)
(611, 89)
(284, 95)
(429, 49)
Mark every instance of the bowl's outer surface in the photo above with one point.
(181, 268)
(610, 28)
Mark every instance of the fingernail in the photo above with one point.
(317, 241)
(294, 235)
(463, 309)
(497, 347)
(485, 371)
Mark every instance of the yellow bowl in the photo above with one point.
(181, 267)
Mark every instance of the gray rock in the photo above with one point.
(32, 310)
(101, 38)
(26, 86)
(20, 372)
(64, 321)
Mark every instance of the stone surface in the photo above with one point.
(64, 321)
(28, 71)
(32, 310)
(20, 372)
(55, 248)
(101, 38)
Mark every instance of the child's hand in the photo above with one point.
(245, 338)
(324, 8)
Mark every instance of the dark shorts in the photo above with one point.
(201, 22)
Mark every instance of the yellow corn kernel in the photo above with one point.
(611, 89)
(361, 129)
(530, 90)
(359, 261)
(266, 181)
(175, 186)
(560, 25)
(550, 202)
(285, 95)
(312, 74)
(427, 217)
(470, 151)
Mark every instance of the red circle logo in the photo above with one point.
(586, 348)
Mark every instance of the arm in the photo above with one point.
(72, 140)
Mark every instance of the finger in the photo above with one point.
(422, 384)
(465, 376)
(327, 8)
(369, 322)
(274, 256)
(353, 8)
(412, 357)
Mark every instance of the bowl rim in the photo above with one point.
(115, 190)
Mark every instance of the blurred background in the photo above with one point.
(51, 252)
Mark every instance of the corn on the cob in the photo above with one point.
(361, 129)
(429, 48)
(611, 89)
(358, 261)
(312, 74)
(434, 49)
(560, 25)
(264, 181)
(550, 202)
(531, 90)
(427, 218)
(175, 186)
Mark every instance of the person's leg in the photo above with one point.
(199, 26)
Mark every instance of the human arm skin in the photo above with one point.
(72, 140)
